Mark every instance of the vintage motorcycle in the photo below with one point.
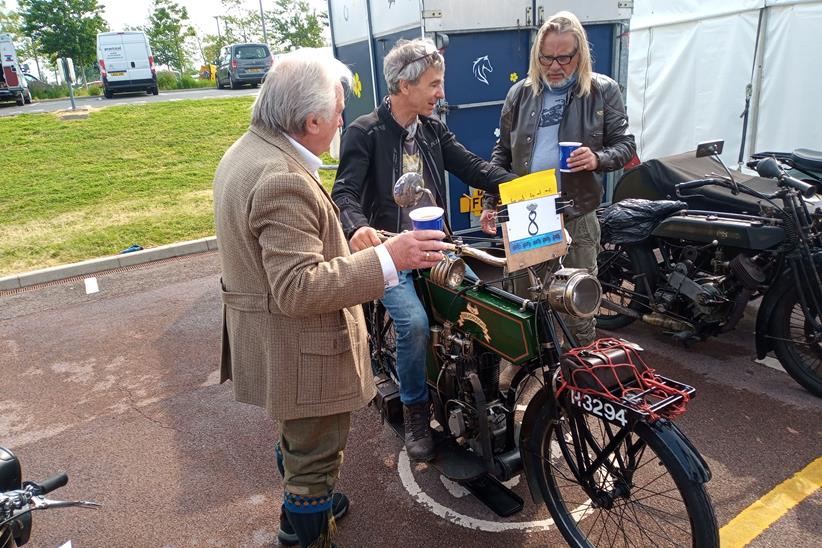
(18, 499)
(693, 271)
(596, 440)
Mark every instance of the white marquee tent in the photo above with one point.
(691, 61)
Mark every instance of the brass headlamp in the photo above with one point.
(449, 272)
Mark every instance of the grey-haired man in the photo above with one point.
(401, 136)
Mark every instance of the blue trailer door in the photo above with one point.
(480, 69)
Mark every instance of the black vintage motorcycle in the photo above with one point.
(691, 267)
(18, 499)
(596, 440)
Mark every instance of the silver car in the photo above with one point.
(240, 64)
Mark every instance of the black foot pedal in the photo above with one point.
(491, 492)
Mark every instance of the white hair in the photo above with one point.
(297, 85)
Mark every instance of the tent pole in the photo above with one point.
(749, 89)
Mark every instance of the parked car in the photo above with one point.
(240, 64)
(126, 63)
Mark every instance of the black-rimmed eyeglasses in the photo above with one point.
(547, 60)
(435, 54)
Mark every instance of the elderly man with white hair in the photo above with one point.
(294, 340)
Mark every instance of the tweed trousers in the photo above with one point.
(312, 450)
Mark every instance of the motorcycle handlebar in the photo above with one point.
(769, 167)
(805, 189)
(461, 249)
(54, 482)
(697, 183)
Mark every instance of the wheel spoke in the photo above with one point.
(630, 499)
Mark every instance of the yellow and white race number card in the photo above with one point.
(534, 232)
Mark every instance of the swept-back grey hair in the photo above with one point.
(408, 60)
(299, 83)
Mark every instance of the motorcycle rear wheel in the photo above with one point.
(645, 496)
(794, 346)
(617, 268)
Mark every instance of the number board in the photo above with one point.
(610, 411)
(535, 232)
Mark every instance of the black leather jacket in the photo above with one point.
(597, 120)
(371, 162)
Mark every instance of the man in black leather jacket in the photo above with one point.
(400, 136)
(563, 100)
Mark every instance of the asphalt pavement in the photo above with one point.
(119, 388)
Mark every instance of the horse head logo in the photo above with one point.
(482, 66)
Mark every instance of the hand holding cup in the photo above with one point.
(416, 249)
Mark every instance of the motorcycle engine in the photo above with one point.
(702, 291)
(461, 360)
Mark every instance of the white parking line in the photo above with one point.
(414, 489)
(773, 363)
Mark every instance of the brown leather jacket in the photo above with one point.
(597, 120)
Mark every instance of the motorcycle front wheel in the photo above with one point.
(795, 345)
(623, 272)
(633, 491)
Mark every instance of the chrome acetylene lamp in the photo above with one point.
(575, 292)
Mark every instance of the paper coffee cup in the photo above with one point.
(565, 150)
(427, 218)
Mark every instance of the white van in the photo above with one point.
(126, 63)
(13, 84)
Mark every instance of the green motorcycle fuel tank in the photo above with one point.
(493, 322)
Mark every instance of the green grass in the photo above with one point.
(79, 189)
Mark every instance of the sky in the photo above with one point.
(132, 13)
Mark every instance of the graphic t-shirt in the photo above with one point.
(546, 147)
(412, 163)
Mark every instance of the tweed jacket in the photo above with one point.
(294, 339)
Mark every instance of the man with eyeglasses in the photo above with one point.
(401, 136)
(564, 100)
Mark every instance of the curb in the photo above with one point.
(92, 266)
(66, 98)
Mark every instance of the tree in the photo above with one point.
(294, 25)
(211, 47)
(240, 24)
(168, 30)
(10, 22)
(64, 28)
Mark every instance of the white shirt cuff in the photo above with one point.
(389, 271)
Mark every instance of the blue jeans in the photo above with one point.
(411, 325)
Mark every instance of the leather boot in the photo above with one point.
(418, 441)
(311, 519)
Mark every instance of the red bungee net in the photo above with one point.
(632, 383)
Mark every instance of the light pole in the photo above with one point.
(262, 20)
(219, 34)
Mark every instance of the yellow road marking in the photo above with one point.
(761, 514)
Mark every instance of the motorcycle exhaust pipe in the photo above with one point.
(653, 318)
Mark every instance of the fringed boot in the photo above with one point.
(286, 535)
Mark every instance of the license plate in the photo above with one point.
(118, 73)
(253, 70)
